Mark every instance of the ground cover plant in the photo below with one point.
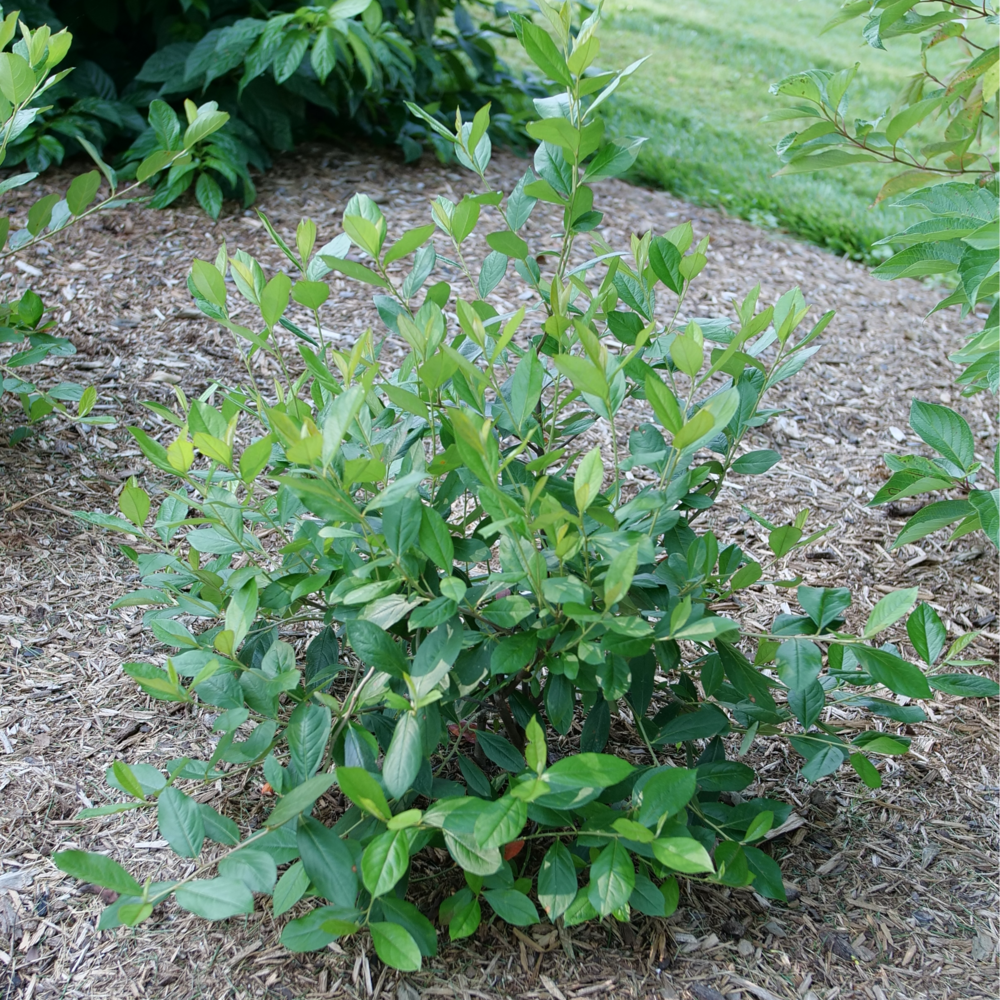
(282, 71)
(27, 76)
(473, 579)
(951, 175)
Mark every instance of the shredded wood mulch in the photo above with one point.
(892, 893)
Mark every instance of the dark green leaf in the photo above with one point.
(664, 793)
(647, 898)
(492, 272)
(385, 861)
(892, 671)
(965, 685)
(822, 760)
(724, 776)
(945, 431)
(328, 862)
(767, 875)
(596, 728)
(756, 462)
(512, 907)
(291, 888)
(665, 260)
(866, 770)
(254, 868)
(404, 756)
(500, 751)
(824, 604)
(705, 722)
(307, 732)
(807, 703)
(931, 518)
(987, 506)
(376, 648)
(399, 911)
(299, 799)
(509, 244)
(500, 822)
(799, 663)
(311, 933)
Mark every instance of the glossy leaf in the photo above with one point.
(612, 879)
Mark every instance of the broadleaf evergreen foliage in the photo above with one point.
(474, 581)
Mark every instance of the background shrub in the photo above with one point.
(282, 71)
(28, 74)
(939, 136)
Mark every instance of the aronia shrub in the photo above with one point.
(412, 583)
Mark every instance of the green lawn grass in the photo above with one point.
(701, 94)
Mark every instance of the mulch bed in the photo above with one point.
(892, 893)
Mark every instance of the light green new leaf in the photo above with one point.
(583, 373)
(618, 579)
(500, 822)
(890, 609)
(395, 946)
(588, 479)
(682, 854)
(364, 791)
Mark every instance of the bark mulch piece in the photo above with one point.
(892, 893)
